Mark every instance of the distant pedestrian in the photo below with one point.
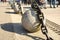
(18, 2)
(24, 1)
(52, 3)
(3, 0)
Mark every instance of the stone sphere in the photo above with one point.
(30, 21)
(15, 7)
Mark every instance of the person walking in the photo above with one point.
(3, 1)
(18, 1)
(52, 2)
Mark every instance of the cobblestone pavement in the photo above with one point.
(11, 27)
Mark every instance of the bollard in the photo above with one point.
(30, 21)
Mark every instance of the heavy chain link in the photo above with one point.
(40, 17)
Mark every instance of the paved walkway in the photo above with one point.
(11, 27)
(52, 14)
(5, 23)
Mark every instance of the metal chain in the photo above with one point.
(43, 27)
(40, 17)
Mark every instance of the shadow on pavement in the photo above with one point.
(10, 12)
(7, 27)
(18, 28)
